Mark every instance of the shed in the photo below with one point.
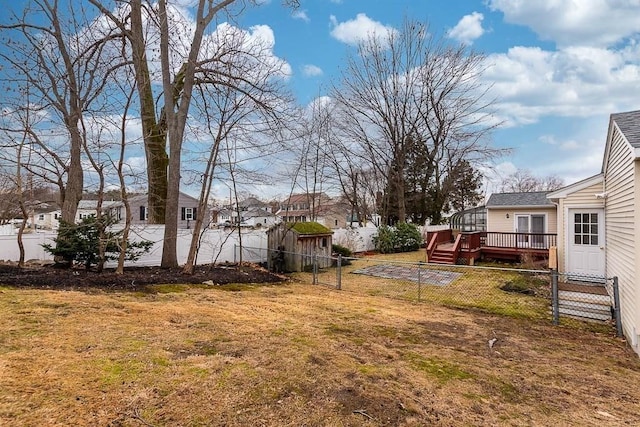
(293, 246)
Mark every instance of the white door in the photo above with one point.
(586, 242)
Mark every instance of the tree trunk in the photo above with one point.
(154, 132)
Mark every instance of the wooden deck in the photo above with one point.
(442, 248)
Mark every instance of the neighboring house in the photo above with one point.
(251, 203)
(47, 218)
(316, 207)
(599, 217)
(529, 212)
(187, 210)
(250, 212)
(302, 207)
(226, 216)
(258, 217)
(89, 208)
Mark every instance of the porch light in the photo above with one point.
(507, 215)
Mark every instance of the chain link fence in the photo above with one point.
(515, 292)
(585, 297)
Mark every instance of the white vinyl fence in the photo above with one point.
(216, 246)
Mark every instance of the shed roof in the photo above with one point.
(529, 199)
(310, 228)
(629, 124)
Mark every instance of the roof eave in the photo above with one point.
(522, 206)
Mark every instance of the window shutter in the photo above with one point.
(142, 212)
(195, 210)
(183, 214)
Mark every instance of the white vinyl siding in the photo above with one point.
(621, 188)
(585, 198)
(497, 220)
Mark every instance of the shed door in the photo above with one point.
(586, 242)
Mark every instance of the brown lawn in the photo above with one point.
(298, 355)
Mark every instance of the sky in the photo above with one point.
(557, 68)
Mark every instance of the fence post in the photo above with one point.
(555, 297)
(419, 283)
(616, 301)
(339, 273)
(315, 268)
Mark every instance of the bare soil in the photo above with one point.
(133, 279)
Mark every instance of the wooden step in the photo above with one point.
(442, 257)
(581, 297)
(584, 313)
(587, 302)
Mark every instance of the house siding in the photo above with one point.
(621, 176)
(497, 220)
(585, 198)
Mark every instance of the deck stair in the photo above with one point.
(587, 301)
(443, 254)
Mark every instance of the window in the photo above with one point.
(188, 214)
(144, 213)
(530, 229)
(336, 222)
(585, 229)
(324, 242)
(41, 217)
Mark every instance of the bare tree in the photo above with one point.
(54, 57)
(406, 89)
(523, 181)
(182, 66)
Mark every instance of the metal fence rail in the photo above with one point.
(532, 293)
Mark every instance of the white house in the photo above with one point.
(599, 219)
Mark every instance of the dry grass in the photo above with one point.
(475, 288)
(298, 355)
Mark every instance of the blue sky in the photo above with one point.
(558, 67)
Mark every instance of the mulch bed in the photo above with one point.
(134, 278)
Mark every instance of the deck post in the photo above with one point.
(555, 301)
(616, 301)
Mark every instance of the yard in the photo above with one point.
(297, 354)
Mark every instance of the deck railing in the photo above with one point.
(509, 240)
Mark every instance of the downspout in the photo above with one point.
(565, 230)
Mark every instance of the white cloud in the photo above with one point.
(530, 83)
(300, 14)
(359, 29)
(468, 28)
(310, 70)
(137, 164)
(583, 22)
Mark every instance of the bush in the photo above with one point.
(385, 241)
(408, 237)
(80, 243)
(403, 238)
(344, 251)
